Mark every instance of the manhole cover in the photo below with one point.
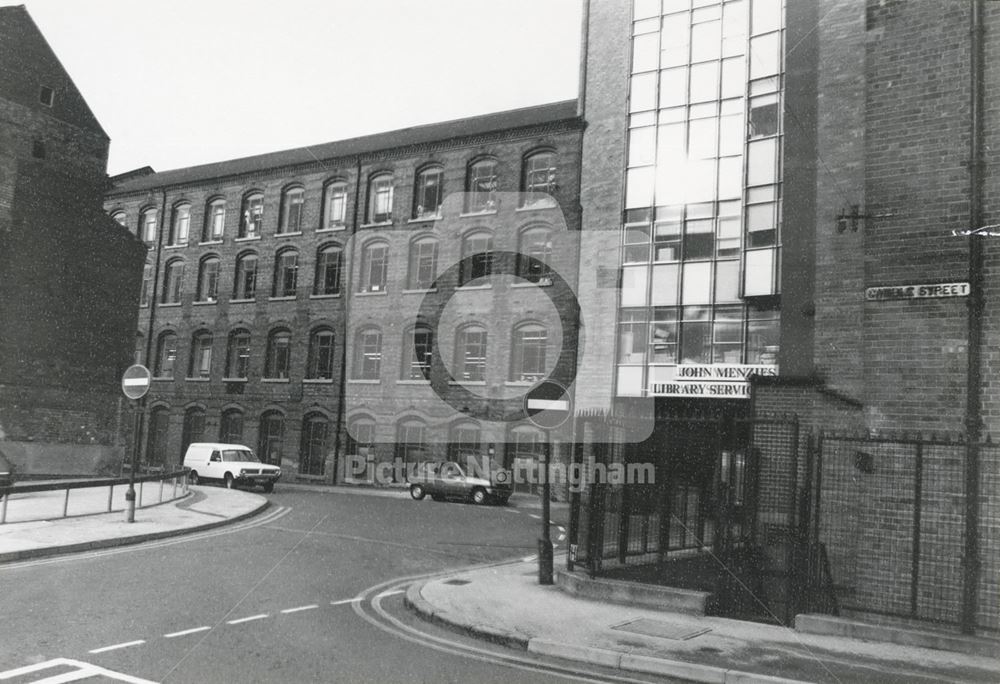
(664, 630)
(456, 582)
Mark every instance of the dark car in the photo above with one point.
(450, 480)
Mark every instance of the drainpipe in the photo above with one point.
(154, 295)
(976, 303)
(581, 97)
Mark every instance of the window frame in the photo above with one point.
(278, 355)
(293, 201)
(173, 281)
(368, 356)
(244, 288)
(519, 348)
(321, 357)
(421, 190)
(166, 362)
(367, 283)
(482, 264)
(322, 277)
(330, 221)
(215, 208)
(203, 288)
(417, 276)
(235, 358)
(482, 199)
(286, 273)
(200, 358)
(180, 226)
(251, 216)
(381, 191)
(463, 361)
(535, 193)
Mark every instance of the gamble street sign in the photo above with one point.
(929, 291)
(135, 381)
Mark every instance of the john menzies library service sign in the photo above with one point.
(718, 381)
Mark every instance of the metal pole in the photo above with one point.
(545, 543)
(130, 492)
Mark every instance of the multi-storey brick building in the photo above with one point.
(281, 305)
(66, 313)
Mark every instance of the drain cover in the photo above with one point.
(456, 582)
(664, 630)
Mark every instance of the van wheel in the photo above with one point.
(417, 492)
(193, 477)
(230, 483)
(268, 487)
(478, 496)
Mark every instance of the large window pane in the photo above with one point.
(642, 96)
(663, 336)
(696, 337)
(675, 39)
(641, 146)
(632, 337)
(706, 41)
(697, 288)
(645, 52)
(664, 291)
(762, 162)
(704, 82)
(704, 138)
(673, 87)
(639, 187)
(758, 275)
(634, 281)
(765, 55)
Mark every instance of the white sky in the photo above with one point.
(183, 82)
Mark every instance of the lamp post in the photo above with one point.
(545, 543)
(135, 384)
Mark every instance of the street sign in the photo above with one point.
(548, 405)
(135, 381)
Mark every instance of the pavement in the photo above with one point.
(504, 603)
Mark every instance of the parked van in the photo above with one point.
(232, 464)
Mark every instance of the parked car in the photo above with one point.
(6, 472)
(232, 464)
(450, 480)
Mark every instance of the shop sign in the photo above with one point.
(718, 381)
(930, 291)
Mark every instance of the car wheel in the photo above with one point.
(437, 497)
(268, 487)
(193, 477)
(417, 492)
(230, 482)
(478, 496)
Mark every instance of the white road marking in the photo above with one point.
(247, 619)
(536, 517)
(84, 671)
(137, 642)
(356, 599)
(389, 593)
(186, 632)
(528, 559)
(300, 608)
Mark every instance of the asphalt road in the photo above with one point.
(293, 595)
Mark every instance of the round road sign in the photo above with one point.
(135, 381)
(548, 404)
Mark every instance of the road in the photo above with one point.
(293, 595)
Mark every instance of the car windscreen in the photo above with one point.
(239, 456)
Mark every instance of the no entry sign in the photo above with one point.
(135, 381)
(548, 405)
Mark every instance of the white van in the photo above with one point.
(232, 464)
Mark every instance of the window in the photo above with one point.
(238, 355)
(428, 193)
(539, 184)
(231, 426)
(536, 243)
(470, 354)
(271, 437)
(423, 263)
(481, 186)
(464, 442)
(696, 338)
(335, 205)
(279, 352)
(292, 202)
(368, 354)
(663, 336)
(527, 445)
(329, 262)
(156, 441)
(47, 96)
(245, 286)
(200, 362)
(321, 360)
(147, 226)
(374, 266)
(312, 451)
(632, 336)
(361, 436)
(215, 221)
(418, 349)
(477, 257)
(411, 441)
(380, 198)
(763, 332)
(194, 428)
(173, 281)
(147, 284)
(253, 215)
(181, 227)
(140, 348)
(528, 360)
(286, 273)
(120, 217)
(166, 355)
(208, 279)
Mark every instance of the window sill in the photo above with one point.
(283, 298)
(325, 296)
(197, 379)
(169, 304)
(468, 383)
(174, 246)
(294, 233)
(242, 301)
(279, 381)
(520, 383)
(162, 378)
(317, 381)
(426, 218)
(248, 238)
(205, 302)
(541, 206)
(407, 381)
(487, 286)
(332, 229)
(420, 290)
(234, 379)
(474, 214)
(379, 224)
(210, 242)
(542, 282)
(376, 293)
(359, 381)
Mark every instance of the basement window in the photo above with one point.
(47, 96)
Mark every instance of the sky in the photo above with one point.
(183, 82)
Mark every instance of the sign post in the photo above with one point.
(548, 406)
(135, 384)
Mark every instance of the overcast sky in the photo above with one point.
(183, 82)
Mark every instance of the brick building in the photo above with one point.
(282, 300)
(66, 313)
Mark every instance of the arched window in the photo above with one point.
(231, 426)
(312, 451)
(245, 286)
(527, 448)
(200, 362)
(368, 354)
(481, 186)
(428, 192)
(538, 183)
(215, 221)
(120, 217)
(321, 359)
(279, 353)
(292, 203)
(423, 263)
(380, 198)
(173, 281)
(166, 355)
(470, 354)
(180, 228)
(477, 256)
(374, 266)
(464, 442)
(156, 438)
(147, 226)
(286, 273)
(252, 219)
(329, 262)
(418, 343)
(529, 344)
(271, 437)
(361, 438)
(194, 428)
(536, 243)
(238, 355)
(139, 350)
(208, 279)
(411, 441)
(147, 284)
(335, 205)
